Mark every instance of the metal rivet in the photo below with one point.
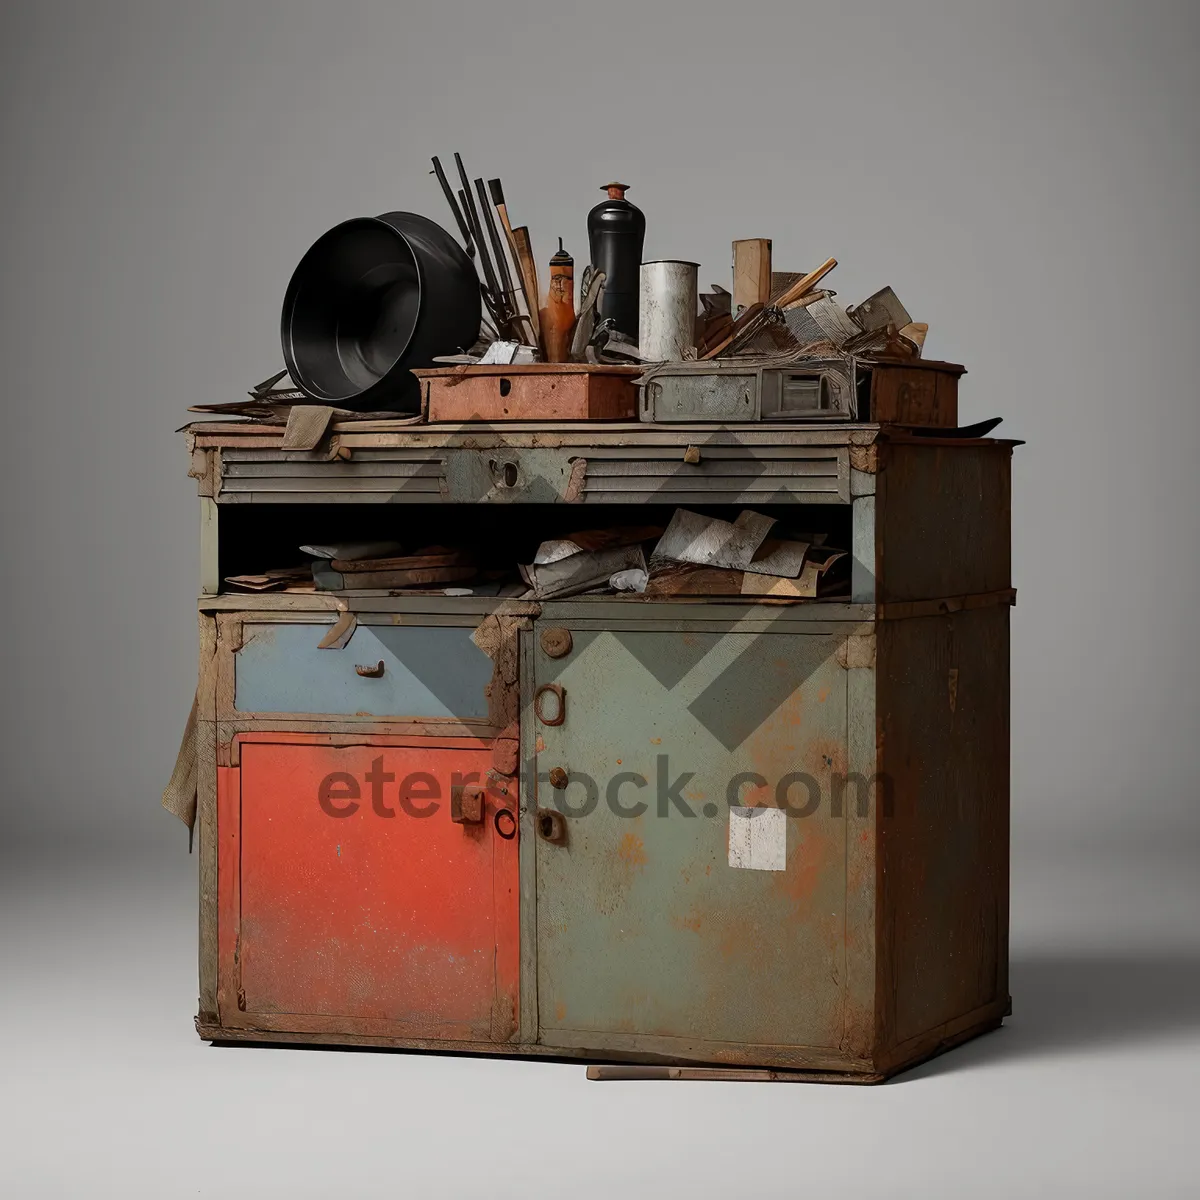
(556, 642)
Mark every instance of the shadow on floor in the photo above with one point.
(1064, 1003)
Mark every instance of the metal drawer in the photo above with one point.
(427, 671)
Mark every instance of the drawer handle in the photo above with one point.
(375, 672)
(560, 711)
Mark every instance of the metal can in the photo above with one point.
(667, 310)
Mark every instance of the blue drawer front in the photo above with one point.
(428, 671)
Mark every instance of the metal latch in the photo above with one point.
(467, 803)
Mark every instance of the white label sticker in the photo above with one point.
(758, 839)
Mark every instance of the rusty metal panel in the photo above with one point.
(943, 713)
(350, 898)
(666, 912)
(942, 520)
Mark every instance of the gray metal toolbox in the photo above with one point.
(742, 391)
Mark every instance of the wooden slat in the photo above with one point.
(334, 496)
(281, 483)
(771, 496)
(332, 470)
(710, 451)
(725, 468)
(717, 485)
(382, 454)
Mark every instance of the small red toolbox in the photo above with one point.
(530, 392)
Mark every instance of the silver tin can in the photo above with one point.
(667, 310)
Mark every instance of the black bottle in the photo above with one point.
(616, 232)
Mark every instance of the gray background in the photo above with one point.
(1026, 177)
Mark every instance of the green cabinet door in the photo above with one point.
(668, 906)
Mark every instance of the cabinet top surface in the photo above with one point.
(402, 432)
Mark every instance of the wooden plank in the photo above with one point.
(751, 273)
(698, 1050)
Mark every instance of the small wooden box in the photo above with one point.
(530, 392)
(917, 392)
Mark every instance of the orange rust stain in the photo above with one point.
(805, 868)
(823, 694)
(755, 797)
(656, 741)
(618, 762)
(541, 745)
(560, 1011)
(691, 922)
(632, 850)
(825, 756)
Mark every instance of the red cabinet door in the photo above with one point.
(351, 901)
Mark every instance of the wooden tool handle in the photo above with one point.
(527, 293)
(527, 265)
(806, 284)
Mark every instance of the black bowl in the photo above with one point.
(374, 297)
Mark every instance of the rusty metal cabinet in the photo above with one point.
(722, 833)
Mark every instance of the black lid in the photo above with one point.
(561, 257)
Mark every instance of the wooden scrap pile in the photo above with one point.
(695, 555)
(382, 566)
